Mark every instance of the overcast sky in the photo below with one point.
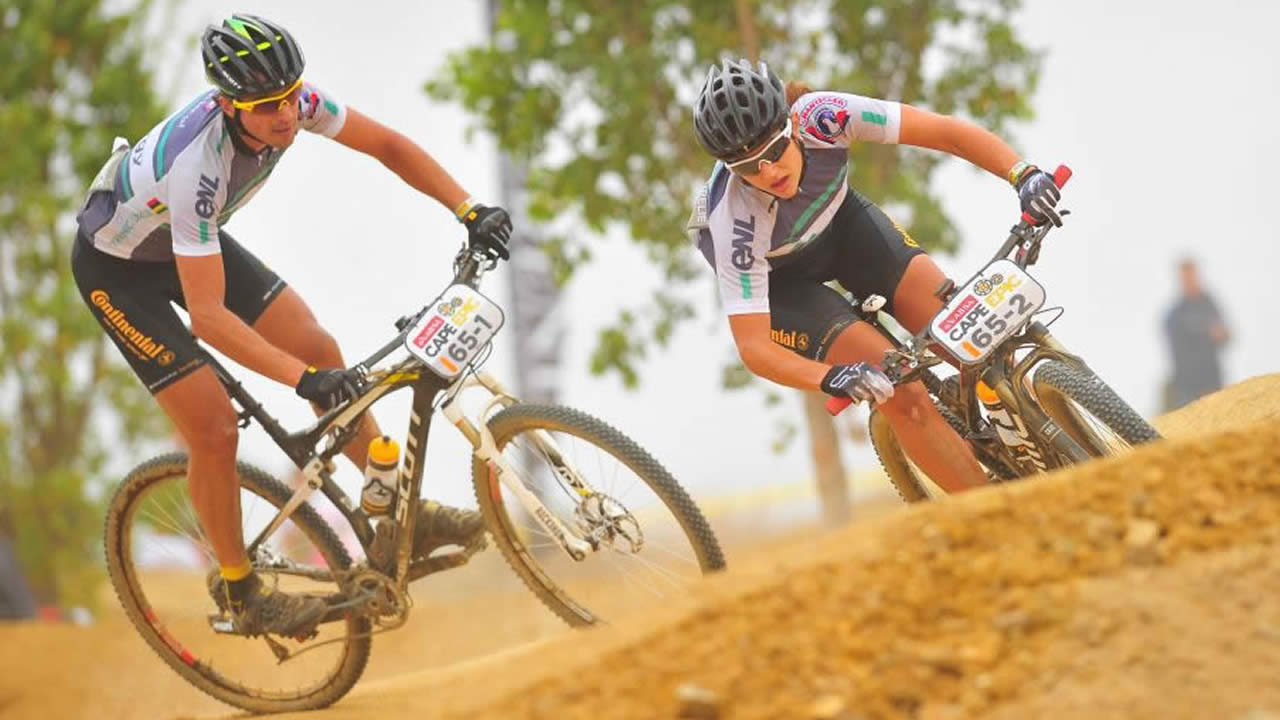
(1164, 110)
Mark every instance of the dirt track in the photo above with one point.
(1143, 586)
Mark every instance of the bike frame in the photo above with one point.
(339, 425)
(1002, 371)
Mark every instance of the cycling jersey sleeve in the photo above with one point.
(197, 193)
(836, 119)
(742, 271)
(319, 112)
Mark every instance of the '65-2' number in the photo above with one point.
(996, 325)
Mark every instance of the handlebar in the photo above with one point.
(1019, 232)
(469, 265)
(1017, 235)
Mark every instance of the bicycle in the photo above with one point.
(1042, 406)
(570, 514)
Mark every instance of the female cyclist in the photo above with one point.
(777, 221)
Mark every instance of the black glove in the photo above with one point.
(862, 382)
(327, 388)
(489, 227)
(1039, 196)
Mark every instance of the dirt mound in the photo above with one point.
(1242, 404)
(1142, 586)
(1138, 587)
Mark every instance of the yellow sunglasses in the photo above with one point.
(265, 106)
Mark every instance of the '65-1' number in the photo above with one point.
(467, 342)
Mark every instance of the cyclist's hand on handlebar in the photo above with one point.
(327, 388)
(489, 227)
(861, 381)
(1039, 196)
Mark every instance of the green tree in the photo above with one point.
(596, 98)
(72, 76)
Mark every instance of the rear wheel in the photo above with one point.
(159, 560)
(656, 546)
(1088, 410)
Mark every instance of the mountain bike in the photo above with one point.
(1022, 401)
(585, 517)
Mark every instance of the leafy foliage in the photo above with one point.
(72, 76)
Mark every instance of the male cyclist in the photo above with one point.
(150, 234)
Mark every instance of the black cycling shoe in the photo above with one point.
(439, 525)
(267, 609)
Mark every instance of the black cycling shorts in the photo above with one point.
(862, 249)
(132, 301)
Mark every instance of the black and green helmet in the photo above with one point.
(248, 56)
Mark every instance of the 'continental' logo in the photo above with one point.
(794, 339)
(142, 345)
(906, 237)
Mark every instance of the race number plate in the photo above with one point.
(992, 306)
(454, 331)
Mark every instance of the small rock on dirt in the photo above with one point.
(829, 707)
(1141, 538)
(697, 703)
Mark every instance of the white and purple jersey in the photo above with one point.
(739, 228)
(186, 177)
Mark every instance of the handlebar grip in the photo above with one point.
(1060, 177)
(837, 405)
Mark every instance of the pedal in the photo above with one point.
(222, 624)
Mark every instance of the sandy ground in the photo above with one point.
(1142, 586)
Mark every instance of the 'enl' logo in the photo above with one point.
(204, 196)
(743, 233)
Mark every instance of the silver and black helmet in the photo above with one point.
(248, 55)
(738, 108)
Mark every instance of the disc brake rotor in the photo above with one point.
(607, 521)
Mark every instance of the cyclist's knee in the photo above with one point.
(321, 349)
(218, 434)
(910, 402)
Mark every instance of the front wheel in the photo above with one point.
(160, 558)
(910, 481)
(652, 541)
(1088, 410)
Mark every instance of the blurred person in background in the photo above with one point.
(777, 221)
(150, 234)
(1196, 333)
(17, 602)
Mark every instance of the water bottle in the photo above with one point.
(999, 417)
(380, 476)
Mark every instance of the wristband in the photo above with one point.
(1017, 171)
(461, 211)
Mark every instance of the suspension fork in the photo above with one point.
(1011, 394)
(486, 449)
